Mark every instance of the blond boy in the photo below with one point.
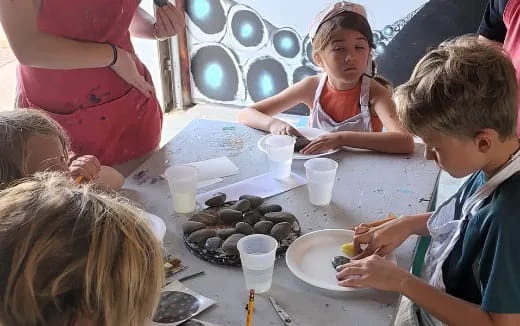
(461, 100)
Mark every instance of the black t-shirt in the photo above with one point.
(492, 26)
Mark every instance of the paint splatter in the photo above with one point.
(406, 191)
(94, 99)
(145, 176)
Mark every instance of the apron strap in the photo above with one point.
(319, 89)
(364, 101)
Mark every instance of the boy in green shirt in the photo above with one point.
(462, 101)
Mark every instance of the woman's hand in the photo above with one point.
(126, 68)
(170, 21)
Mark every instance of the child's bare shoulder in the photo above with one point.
(311, 82)
(378, 91)
(307, 87)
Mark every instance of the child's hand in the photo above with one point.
(87, 166)
(374, 272)
(279, 127)
(380, 240)
(323, 144)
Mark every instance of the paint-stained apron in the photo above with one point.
(104, 115)
(512, 41)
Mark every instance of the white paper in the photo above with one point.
(215, 168)
(196, 322)
(263, 185)
(207, 183)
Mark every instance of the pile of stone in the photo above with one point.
(219, 227)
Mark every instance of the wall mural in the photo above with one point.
(239, 57)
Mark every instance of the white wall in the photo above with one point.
(298, 14)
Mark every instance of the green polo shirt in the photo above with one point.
(484, 266)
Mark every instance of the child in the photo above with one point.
(72, 256)
(343, 100)
(30, 141)
(461, 100)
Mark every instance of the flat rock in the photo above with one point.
(217, 200)
(278, 217)
(244, 228)
(208, 219)
(339, 260)
(229, 216)
(254, 200)
(263, 227)
(192, 226)
(265, 208)
(241, 205)
(201, 236)
(300, 143)
(213, 243)
(225, 233)
(281, 231)
(252, 217)
(230, 245)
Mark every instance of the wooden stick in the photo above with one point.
(380, 222)
(78, 180)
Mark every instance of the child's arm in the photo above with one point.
(109, 178)
(379, 273)
(395, 140)
(387, 237)
(90, 169)
(260, 115)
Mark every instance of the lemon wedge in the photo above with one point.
(348, 249)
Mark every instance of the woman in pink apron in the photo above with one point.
(501, 24)
(78, 64)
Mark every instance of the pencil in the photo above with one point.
(78, 180)
(250, 306)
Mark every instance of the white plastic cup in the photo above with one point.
(280, 149)
(182, 180)
(257, 254)
(321, 173)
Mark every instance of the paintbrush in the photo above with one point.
(78, 180)
(390, 217)
(250, 306)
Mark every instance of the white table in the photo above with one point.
(369, 185)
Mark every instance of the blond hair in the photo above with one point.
(346, 20)
(16, 127)
(69, 253)
(460, 88)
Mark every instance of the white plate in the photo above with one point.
(309, 258)
(310, 133)
(157, 225)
